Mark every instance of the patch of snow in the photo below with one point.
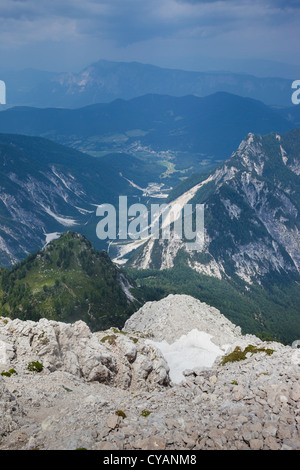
(189, 333)
(67, 222)
(61, 178)
(194, 350)
(52, 236)
(83, 211)
(133, 184)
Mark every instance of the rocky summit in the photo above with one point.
(63, 387)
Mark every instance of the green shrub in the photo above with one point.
(35, 366)
(239, 355)
(8, 373)
(111, 339)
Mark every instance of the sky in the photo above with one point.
(68, 35)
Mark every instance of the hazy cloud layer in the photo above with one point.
(70, 33)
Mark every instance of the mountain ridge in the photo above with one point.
(47, 188)
(249, 266)
(104, 81)
(212, 125)
(68, 280)
(260, 162)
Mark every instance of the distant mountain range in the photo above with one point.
(46, 187)
(212, 126)
(105, 81)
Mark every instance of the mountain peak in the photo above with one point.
(68, 280)
(252, 205)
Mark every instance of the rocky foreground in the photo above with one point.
(63, 387)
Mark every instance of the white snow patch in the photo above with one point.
(60, 177)
(132, 183)
(194, 350)
(83, 211)
(52, 236)
(62, 220)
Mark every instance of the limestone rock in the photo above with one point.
(10, 411)
(109, 357)
(111, 390)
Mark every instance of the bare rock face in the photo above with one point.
(10, 411)
(137, 363)
(190, 334)
(111, 390)
(109, 357)
(177, 315)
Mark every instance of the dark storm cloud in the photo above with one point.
(124, 22)
(137, 27)
(136, 20)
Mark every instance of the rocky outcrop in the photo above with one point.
(109, 357)
(112, 391)
(10, 411)
(176, 315)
